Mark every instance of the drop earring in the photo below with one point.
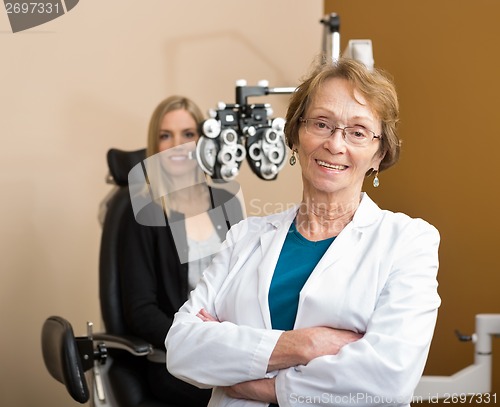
(376, 181)
(293, 160)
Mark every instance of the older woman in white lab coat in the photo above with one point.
(334, 301)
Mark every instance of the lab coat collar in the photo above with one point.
(367, 213)
(271, 242)
(345, 244)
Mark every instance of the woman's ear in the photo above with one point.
(377, 159)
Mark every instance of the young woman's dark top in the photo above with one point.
(154, 285)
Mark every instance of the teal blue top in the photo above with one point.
(297, 260)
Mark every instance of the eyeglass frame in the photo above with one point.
(335, 128)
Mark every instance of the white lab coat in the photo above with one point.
(378, 277)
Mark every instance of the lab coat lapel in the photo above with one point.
(343, 245)
(271, 243)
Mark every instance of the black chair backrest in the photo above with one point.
(120, 163)
(62, 359)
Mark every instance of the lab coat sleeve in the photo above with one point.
(208, 354)
(384, 367)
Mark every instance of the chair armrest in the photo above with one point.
(131, 344)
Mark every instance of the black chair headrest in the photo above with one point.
(121, 162)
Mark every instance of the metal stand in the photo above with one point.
(474, 379)
(331, 36)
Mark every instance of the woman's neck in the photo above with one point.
(322, 216)
(190, 201)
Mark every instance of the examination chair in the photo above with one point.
(113, 362)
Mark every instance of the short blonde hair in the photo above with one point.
(375, 86)
(168, 105)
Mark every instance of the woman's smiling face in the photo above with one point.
(178, 134)
(331, 165)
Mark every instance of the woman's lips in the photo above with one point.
(178, 157)
(338, 167)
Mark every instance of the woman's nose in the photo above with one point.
(177, 140)
(336, 142)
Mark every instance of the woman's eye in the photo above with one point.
(190, 134)
(164, 136)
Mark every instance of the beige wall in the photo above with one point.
(88, 81)
(444, 58)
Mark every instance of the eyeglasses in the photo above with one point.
(355, 135)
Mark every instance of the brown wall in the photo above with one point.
(444, 56)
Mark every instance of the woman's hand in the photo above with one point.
(205, 316)
(258, 390)
(326, 341)
(300, 346)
